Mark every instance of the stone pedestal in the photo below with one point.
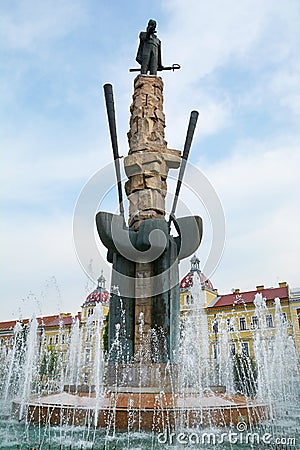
(149, 377)
(149, 159)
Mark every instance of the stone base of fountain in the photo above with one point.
(142, 409)
(157, 376)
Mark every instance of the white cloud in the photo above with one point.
(34, 174)
(259, 189)
(205, 38)
(29, 23)
(214, 115)
(41, 273)
(285, 85)
(205, 35)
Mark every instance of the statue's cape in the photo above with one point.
(139, 56)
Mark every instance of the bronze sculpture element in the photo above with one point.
(149, 51)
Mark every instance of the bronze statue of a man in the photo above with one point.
(149, 51)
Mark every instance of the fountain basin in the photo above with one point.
(142, 410)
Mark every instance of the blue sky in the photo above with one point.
(240, 68)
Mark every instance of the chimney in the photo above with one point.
(260, 287)
(283, 284)
(236, 291)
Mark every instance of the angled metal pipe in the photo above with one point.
(110, 109)
(187, 146)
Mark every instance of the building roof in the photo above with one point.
(56, 320)
(97, 296)
(9, 325)
(46, 321)
(240, 298)
(100, 294)
(188, 280)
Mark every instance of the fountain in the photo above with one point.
(157, 376)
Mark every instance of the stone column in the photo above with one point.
(149, 160)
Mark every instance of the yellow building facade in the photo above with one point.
(240, 314)
(54, 336)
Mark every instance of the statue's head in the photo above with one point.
(151, 25)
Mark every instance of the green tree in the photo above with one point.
(105, 334)
(245, 375)
(49, 362)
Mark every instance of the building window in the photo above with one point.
(86, 378)
(62, 338)
(269, 321)
(8, 341)
(232, 349)
(255, 322)
(50, 340)
(283, 317)
(245, 349)
(189, 299)
(1, 342)
(243, 325)
(230, 326)
(215, 325)
(56, 339)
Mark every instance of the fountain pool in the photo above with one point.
(284, 435)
